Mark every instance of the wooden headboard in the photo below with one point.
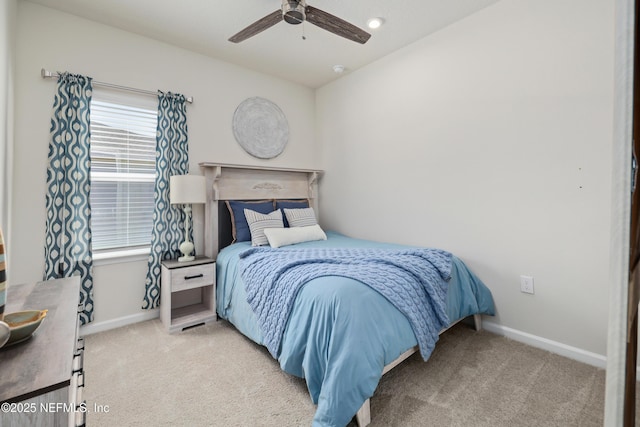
(238, 182)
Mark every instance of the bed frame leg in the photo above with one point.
(477, 319)
(363, 416)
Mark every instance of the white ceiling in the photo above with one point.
(204, 26)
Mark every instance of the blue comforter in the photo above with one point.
(413, 280)
(340, 333)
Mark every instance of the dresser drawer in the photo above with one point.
(192, 277)
(78, 362)
(77, 382)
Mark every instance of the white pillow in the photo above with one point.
(300, 217)
(258, 222)
(288, 236)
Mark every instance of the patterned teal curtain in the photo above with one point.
(172, 158)
(68, 231)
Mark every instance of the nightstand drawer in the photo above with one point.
(192, 277)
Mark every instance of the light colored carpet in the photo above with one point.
(213, 376)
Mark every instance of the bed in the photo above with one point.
(340, 335)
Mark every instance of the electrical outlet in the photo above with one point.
(526, 284)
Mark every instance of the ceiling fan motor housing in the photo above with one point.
(293, 11)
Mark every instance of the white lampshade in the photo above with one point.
(187, 189)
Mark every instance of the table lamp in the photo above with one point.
(186, 190)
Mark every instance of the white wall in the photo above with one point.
(61, 42)
(8, 10)
(491, 139)
(495, 134)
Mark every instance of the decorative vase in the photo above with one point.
(5, 332)
(3, 277)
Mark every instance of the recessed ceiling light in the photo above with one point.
(338, 69)
(374, 23)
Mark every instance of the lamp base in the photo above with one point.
(186, 248)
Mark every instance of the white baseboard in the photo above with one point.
(93, 328)
(593, 359)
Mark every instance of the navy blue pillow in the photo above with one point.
(240, 227)
(290, 204)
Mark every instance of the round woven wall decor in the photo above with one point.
(260, 127)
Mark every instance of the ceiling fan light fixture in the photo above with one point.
(375, 23)
(293, 12)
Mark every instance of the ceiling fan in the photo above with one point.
(295, 12)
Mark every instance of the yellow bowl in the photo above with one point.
(22, 324)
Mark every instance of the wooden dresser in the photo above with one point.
(41, 379)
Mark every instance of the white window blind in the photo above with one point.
(123, 140)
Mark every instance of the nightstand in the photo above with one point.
(179, 282)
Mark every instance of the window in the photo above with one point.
(123, 140)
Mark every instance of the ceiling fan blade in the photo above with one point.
(338, 26)
(257, 27)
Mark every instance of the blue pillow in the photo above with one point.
(290, 204)
(239, 226)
